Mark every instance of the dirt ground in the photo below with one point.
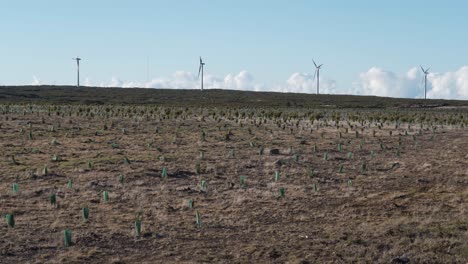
(409, 205)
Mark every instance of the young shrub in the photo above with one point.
(10, 219)
(90, 165)
(67, 238)
(203, 136)
(242, 181)
(198, 168)
(340, 148)
(231, 153)
(341, 168)
(363, 167)
(15, 188)
(312, 173)
(53, 199)
(281, 192)
(350, 183)
(121, 179)
(13, 160)
(70, 184)
(164, 173)
(372, 154)
(85, 213)
(138, 225)
(296, 157)
(260, 151)
(105, 196)
(127, 161)
(45, 170)
(204, 185)
(56, 158)
(350, 155)
(277, 176)
(191, 203)
(314, 187)
(197, 218)
(325, 156)
(202, 155)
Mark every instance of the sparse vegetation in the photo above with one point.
(271, 169)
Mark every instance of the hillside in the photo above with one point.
(95, 95)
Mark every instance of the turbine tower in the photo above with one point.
(78, 70)
(317, 74)
(200, 70)
(426, 72)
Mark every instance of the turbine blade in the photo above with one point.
(314, 63)
(199, 70)
(428, 70)
(315, 75)
(201, 61)
(320, 65)
(422, 68)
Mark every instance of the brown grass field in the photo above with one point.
(409, 204)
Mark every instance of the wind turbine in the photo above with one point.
(200, 70)
(426, 72)
(78, 70)
(317, 74)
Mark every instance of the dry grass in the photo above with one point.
(411, 206)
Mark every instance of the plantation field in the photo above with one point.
(269, 185)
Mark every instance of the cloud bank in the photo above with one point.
(375, 81)
(448, 85)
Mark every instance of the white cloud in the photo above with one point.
(244, 80)
(448, 85)
(306, 83)
(377, 81)
(453, 85)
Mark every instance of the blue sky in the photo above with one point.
(256, 45)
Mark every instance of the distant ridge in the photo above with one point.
(210, 97)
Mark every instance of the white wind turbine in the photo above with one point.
(426, 72)
(78, 70)
(317, 74)
(200, 70)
